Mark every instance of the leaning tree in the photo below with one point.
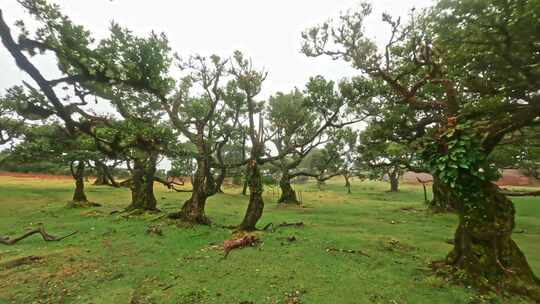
(248, 82)
(475, 63)
(125, 70)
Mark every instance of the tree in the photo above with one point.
(11, 126)
(206, 120)
(249, 82)
(290, 121)
(299, 123)
(228, 153)
(125, 70)
(104, 169)
(455, 63)
(381, 156)
(183, 165)
(51, 142)
(335, 158)
(228, 148)
(139, 138)
(349, 157)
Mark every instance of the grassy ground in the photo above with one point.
(114, 260)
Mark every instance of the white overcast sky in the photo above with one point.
(267, 31)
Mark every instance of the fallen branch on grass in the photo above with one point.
(246, 240)
(333, 250)
(272, 227)
(6, 240)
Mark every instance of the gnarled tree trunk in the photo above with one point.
(78, 174)
(393, 177)
(256, 203)
(142, 184)
(394, 182)
(220, 179)
(193, 209)
(288, 195)
(484, 249)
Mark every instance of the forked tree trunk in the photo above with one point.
(193, 209)
(443, 200)
(220, 179)
(78, 174)
(347, 183)
(484, 248)
(288, 195)
(256, 203)
(142, 185)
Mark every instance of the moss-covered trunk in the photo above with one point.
(443, 200)
(256, 203)
(78, 174)
(394, 182)
(142, 185)
(288, 195)
(193, 209)
(484, 249)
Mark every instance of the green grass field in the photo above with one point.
(113, 260)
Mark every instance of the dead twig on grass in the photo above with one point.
(333, 250)
(6, 240)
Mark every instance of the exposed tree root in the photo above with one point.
(201, 220)
(133, 212)
(82, 204)
(232, 227)
(19, 262)
(272, 227)
(510, 284)
(6, 240)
